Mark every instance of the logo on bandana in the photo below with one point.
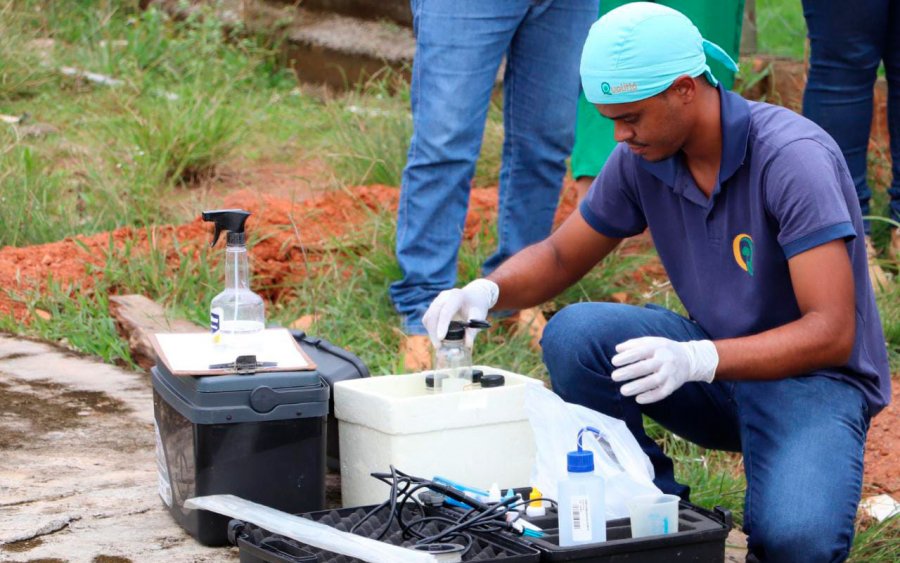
(624, 87)
(743, 252)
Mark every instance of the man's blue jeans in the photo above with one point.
(459, 47)
(847, 41)
(802, 438)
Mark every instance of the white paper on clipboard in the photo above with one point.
(191, 353)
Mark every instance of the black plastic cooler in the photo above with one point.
(261, 437)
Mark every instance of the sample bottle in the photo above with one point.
(237, 315)
(582, 506)
(453, 360)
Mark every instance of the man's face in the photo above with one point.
(654, 129)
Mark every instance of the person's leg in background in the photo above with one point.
(891, 59)
(459, 47)
(847, 41)
(579, 343)
(540, 93)
(718, 21)
(803, 442)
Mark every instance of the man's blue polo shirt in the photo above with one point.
(783, 189)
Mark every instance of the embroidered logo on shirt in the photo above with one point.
(743, 252)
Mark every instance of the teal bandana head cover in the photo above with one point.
(638, 50)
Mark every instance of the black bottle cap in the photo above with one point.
(456, 331)
(231, 220)
(429, 381)
(492, 380)
(477, 375)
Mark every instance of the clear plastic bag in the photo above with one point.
(618, 458)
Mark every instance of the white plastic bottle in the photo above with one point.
(582, 504)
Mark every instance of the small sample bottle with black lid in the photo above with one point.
(453, 359)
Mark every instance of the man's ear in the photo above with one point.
(685, 88)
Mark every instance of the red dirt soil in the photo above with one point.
(293, 235)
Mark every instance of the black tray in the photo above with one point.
(261, 546)
(701, 537)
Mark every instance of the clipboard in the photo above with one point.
(192, 353)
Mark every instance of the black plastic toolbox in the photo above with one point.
(260, 546)
(260, 437)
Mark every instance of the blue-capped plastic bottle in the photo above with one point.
(582, 501)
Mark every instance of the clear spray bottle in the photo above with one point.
(237, 315)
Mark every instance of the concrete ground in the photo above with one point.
(78, 466)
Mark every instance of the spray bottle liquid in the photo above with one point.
(237, 315)
(582, 506)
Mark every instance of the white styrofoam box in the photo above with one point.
(476, 437)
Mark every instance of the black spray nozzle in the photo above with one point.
(231, 220)
(457, 329)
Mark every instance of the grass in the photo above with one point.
(33, 206)
(781, 29)
(185, 102)
(192, 102)
(373, 126)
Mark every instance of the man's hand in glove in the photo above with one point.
(657, 366)
(471, 302)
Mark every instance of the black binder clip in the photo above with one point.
(244, 365)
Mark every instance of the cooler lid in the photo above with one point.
(223, 383)
(243, 398)
(273, 379)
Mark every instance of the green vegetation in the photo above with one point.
(194, 100)
(781, 29)
(372, 128)
(183, 100)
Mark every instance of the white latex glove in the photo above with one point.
(659, 366)
(471, 302)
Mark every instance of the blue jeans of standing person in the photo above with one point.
(848, 41)
(459, 47)
(802, 438)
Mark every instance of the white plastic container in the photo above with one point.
(476, 437)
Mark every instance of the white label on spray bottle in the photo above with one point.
(215, 323)
(581, 518)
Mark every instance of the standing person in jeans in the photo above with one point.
(755, 218)
(848, 41)
(459, 47)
